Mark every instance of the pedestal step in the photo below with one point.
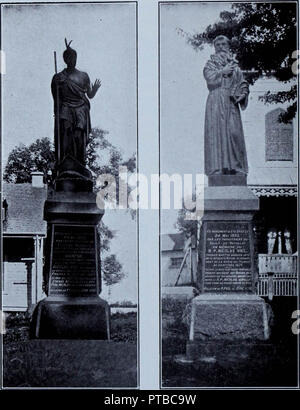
(231, 317)
(71, 318)
(227, 180)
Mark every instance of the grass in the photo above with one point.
(124, 327)
(270, 364)
(70, 363)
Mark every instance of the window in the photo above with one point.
(176, 262)
(14, 249)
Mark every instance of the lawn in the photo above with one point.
(267, 364)
(70, 363)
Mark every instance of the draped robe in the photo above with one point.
(224, 142)
(73, 108)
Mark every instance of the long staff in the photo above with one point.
(57, 112)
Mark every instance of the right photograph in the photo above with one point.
(229, 307)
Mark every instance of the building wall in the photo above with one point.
(169, 272)
(262, 171)
(22, 270)
(15, 286)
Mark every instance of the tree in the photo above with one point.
(263, 37)
(23, 160)
(102, 157)
(111, 264)
(99, 148)
(188, 227)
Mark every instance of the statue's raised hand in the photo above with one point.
(228, 69)
(94, 88)
(96, 85)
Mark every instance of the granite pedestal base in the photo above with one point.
(229, 317)
(227, 180)
(71, 318)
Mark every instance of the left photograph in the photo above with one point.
(69, 151)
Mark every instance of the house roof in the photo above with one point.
(25, 208)
(174, 242)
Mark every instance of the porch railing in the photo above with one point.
(278, 275)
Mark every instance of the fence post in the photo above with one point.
(270, 285)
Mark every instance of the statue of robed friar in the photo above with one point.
(224, 143)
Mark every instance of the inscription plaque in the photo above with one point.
(228, 265)
(73, 261)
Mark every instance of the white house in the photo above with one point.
(24, 232)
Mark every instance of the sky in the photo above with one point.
(104, 36)
(183, 89)
(183, 92)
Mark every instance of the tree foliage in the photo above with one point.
(187, 227)
(23, 160)
(102, 158)
(111, 264)
(185, 224)
(263, 37)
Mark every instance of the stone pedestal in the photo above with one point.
(229, 317)
(60, 317)
(228, 310)
(72, 309)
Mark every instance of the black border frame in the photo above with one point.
(160, 3)
(137, 170)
